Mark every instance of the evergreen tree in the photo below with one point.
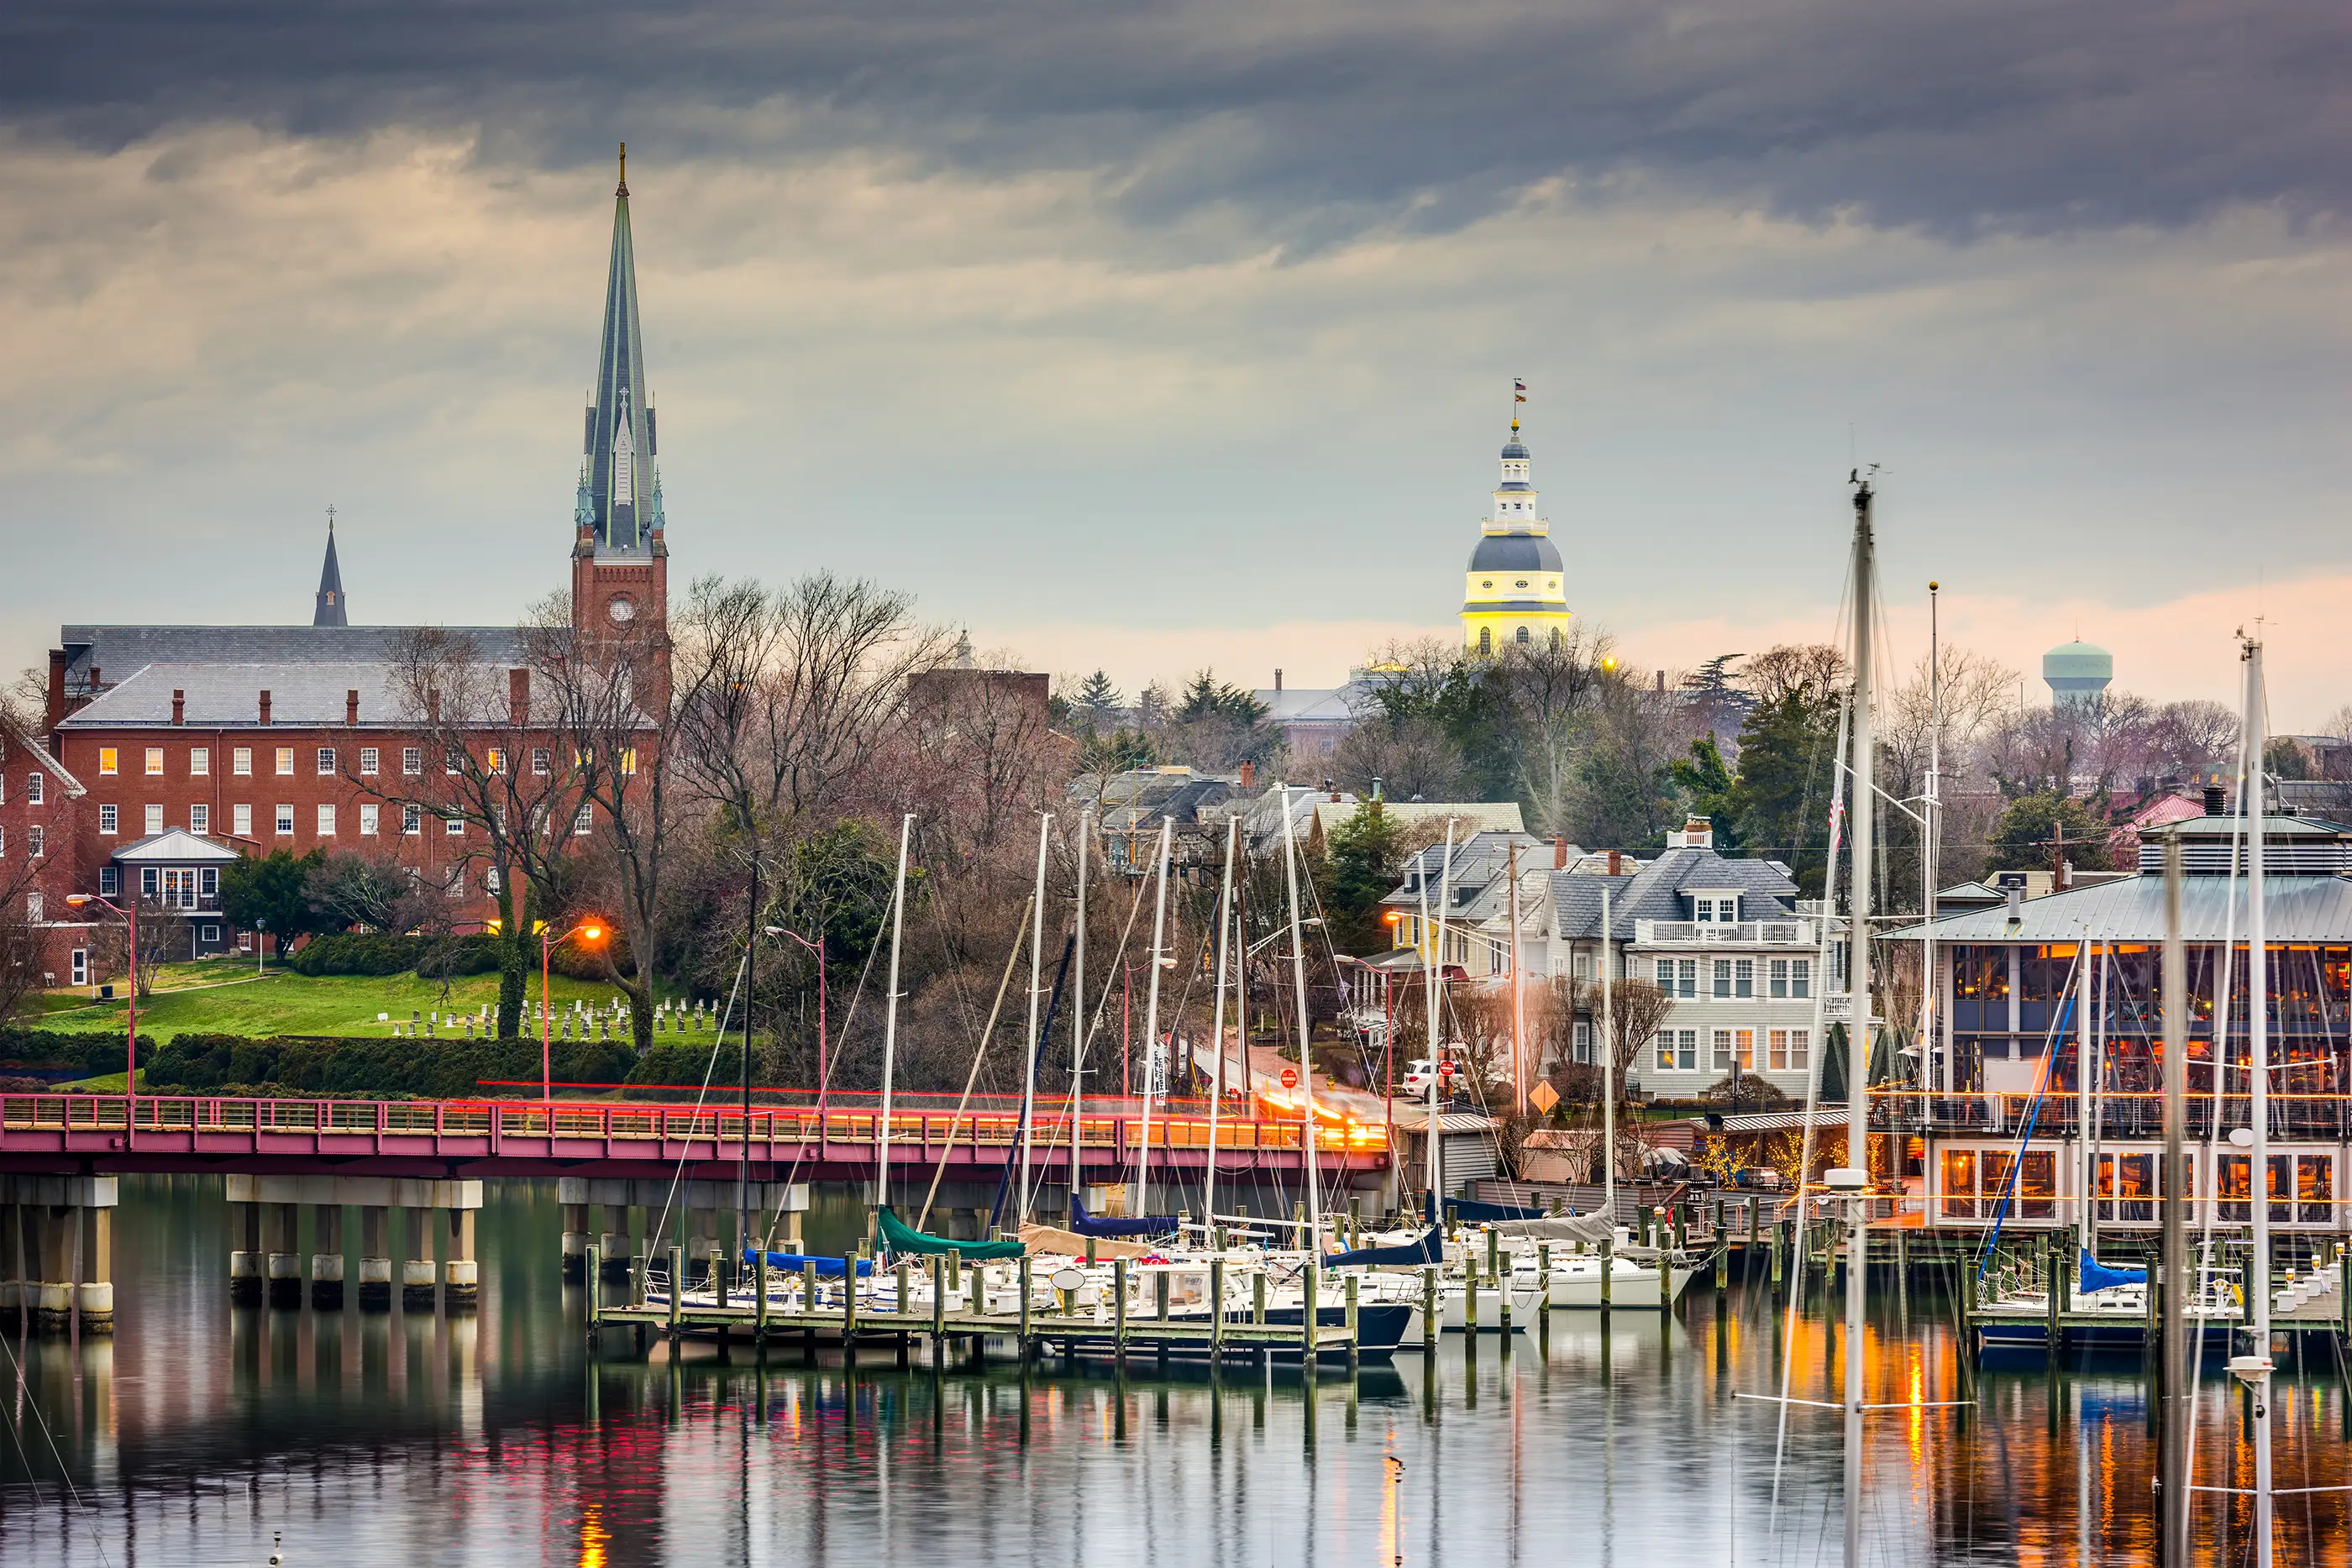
(1362, 861)
(1708, 779)
(1099, 703)
(1780, 802)
(267, 893)
(2025, 838)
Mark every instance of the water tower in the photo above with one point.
(2076, 673)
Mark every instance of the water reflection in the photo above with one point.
(202, 1430)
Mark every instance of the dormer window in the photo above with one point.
(1711, 910)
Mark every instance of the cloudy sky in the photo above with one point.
(1164, 336)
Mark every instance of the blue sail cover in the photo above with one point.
(1430, 1248)
(1086, 1225)
(791, 1263)
(1477, 1213)
(2098, 1276)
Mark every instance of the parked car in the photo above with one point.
(1419, 1074)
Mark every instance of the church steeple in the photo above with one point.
(623, 490)
(331, 611)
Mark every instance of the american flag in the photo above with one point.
(1519, 391)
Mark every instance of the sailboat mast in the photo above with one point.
(1857, 1050)
(1217, 1029)
(1029, 1056)
(1930, 990)
(1305, 1035)
(890, 1019)
(2172, 1193)
(2258, 1110)
(2084, 1048)
(1518, 996)
(1078, 1013)
(1429, 995)
(1152, 1013)
(1608, 1076)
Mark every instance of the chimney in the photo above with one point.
(96, 685)
(1615, 864)
(433, 705)
(179, 706)
(2217, 801)
(1560, 854)
(2016, 889)
(352, 706)
(1661, 681)
(265, 704)
(2064, 880)
(1377, 795)
(56, 703)
(519, 698)
(1248, 776)
(1278, 681)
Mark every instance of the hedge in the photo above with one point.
(375, 954)
(313, 1064)
(86, 1055)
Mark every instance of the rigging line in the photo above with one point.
(825, 1082)
(979, 1049)
(1102, 1003)
(676, 1175)
(23, 1386)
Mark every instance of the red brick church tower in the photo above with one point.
(620, 567)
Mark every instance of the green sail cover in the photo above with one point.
(898, 1237)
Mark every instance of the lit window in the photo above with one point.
(200, 761)
(412, 761)
(412, 819)
(495, 759)
(1789, 1050)
(367, 761)
(106, 818)
(240, 761)
(326, 761)
(200, 817)
(368, 821)
(154, 762)
(286, 762)
(326, 821)
(628, 760)
(240, 821)
(155, 820)
(285, 821)
(106, 761)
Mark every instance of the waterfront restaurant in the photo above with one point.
(1989, 1126)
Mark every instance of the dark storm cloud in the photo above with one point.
(1309, 121)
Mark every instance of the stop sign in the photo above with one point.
(1290, 1078)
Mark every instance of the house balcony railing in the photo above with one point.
(1725, 934)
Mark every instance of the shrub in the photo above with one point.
(86, 1055)
(380, 954)
(434, 1068)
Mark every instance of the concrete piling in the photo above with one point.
(417, 1273)
(245, 1260)
(57, 1253)
(283, 1266)
(375, 1260)
(327, 1262)
(462, 1274)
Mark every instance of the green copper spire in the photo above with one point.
(623, 498)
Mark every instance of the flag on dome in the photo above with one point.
(1519, 391)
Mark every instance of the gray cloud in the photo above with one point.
(1317, 120)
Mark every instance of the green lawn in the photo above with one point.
(224, 997)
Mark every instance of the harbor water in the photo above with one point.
(201, 1433)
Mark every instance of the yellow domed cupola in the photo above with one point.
(1514, 594)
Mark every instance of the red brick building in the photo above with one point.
(168, 752)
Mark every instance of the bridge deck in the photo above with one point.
(536, 1137)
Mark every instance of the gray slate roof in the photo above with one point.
(1656, 892)
(2131, 909)
(229, 694)
(116, 650)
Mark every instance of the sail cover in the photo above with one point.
(1479, 1213)
(899, 1238)
(2098, 1276)
(1592, 1229)
(1430, 1248)
(791, 1263)
(1084, 1224)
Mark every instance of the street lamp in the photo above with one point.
(590, 931)
(131, 1047)
(817, 951)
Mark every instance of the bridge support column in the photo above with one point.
(245, 1261)
(284, 1265)
(417, 1272)
(701, 1237)
(58, 1244)
(12, 1252)
(327, 1262)
(615, 1242)
(94, 1290)
(575, 1240)
(462, 1275)
(375, 1259)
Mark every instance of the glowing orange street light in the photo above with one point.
(590, 931)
